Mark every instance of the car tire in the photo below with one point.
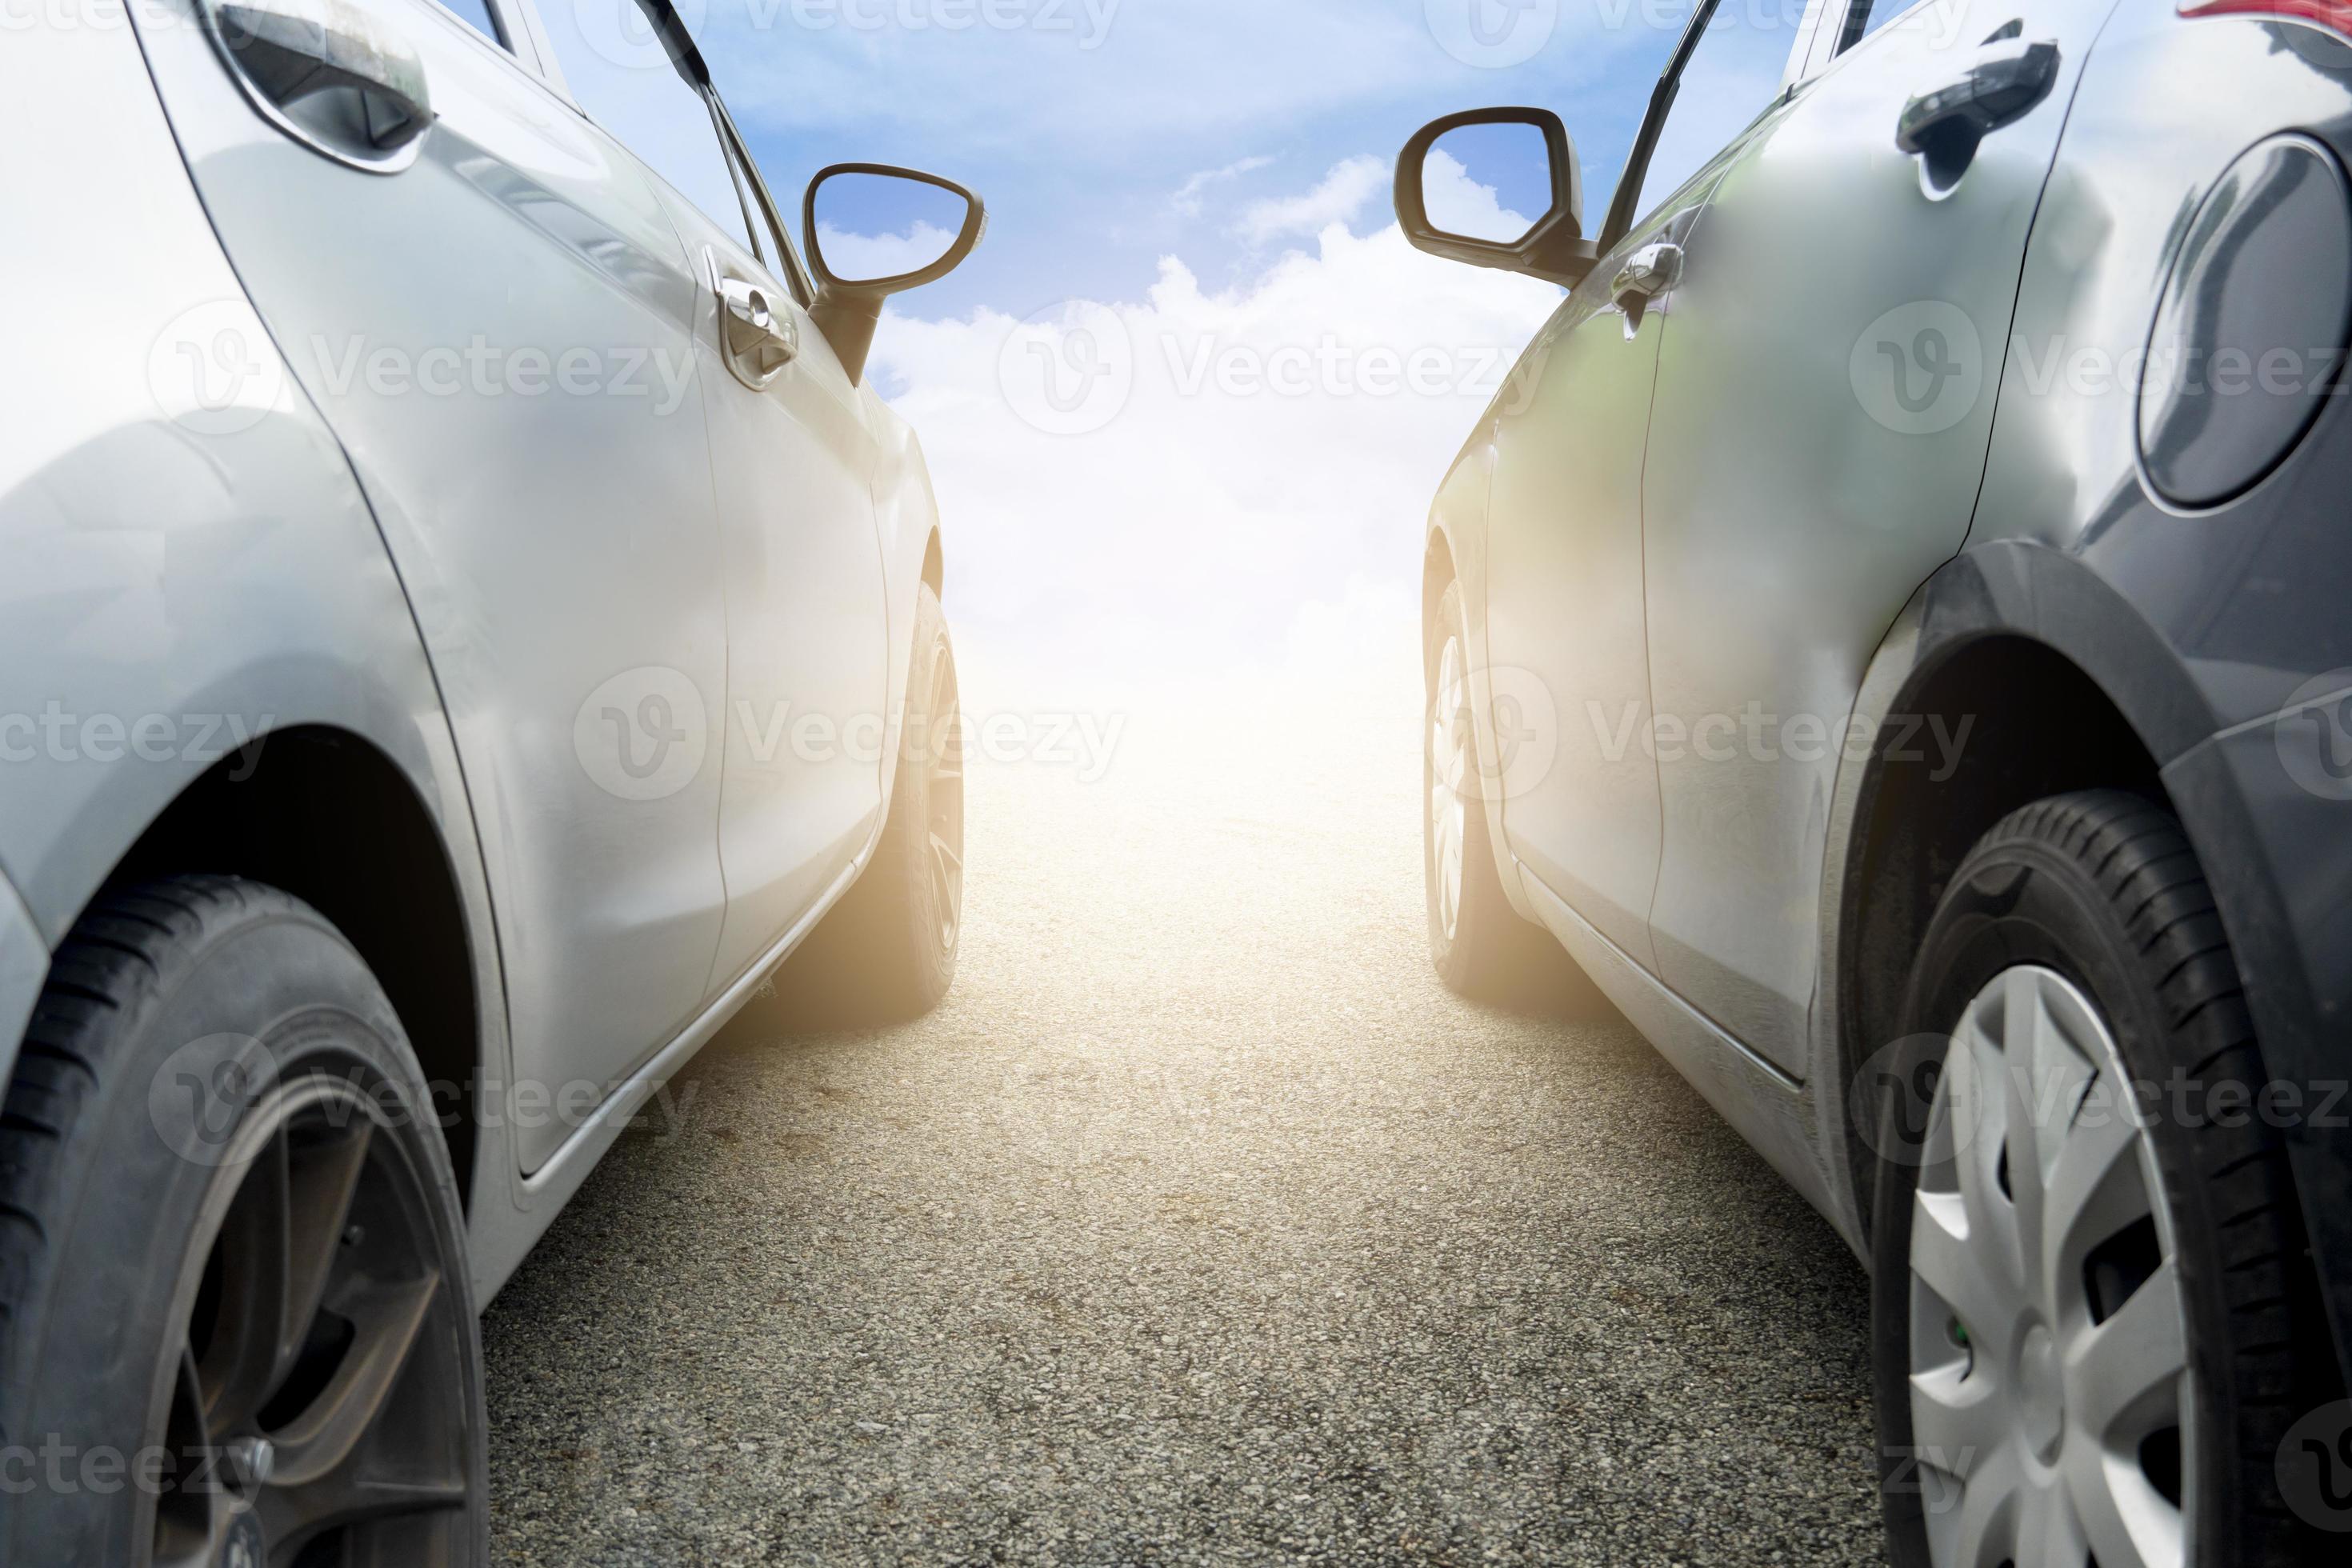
(235, 1310)
(886, 952)
(1483, 948)
(2058, 1222)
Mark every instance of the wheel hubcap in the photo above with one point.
(1450, 739)
(315, 1407)
(2049, 1391)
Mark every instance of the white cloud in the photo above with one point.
(1343, 194)
(1277, 453)
(883, 255)
(1188, 200)
(1459, 204)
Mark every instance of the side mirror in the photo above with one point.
(1521, 156)
(873, 231)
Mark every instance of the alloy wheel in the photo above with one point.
(313, 1413)
(2050, 1399)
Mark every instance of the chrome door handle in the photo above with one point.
(1649, 272)
(759, 339)
(330, 73)
(2001, 85)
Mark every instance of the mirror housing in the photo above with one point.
(846, 310)
(1555, 249)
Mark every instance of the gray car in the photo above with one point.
(1892, 631)
(466, 617)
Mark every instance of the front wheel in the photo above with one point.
(886, 952)
(237, 1324)
(1482, 949)
(2091, 1329)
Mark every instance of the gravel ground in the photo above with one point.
(1201, 1225)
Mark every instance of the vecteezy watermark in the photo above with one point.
(1936, 1477)
(1756, 735)
(200, 1098)
(1517, 747)
(2314, 1469)
(2315, 736)
(1492, 35)
(661, 376)
(201, 739)
(1069, 369)
(1919, 369)
(646, 734)
(1893, 1101)
(213, 371)
(643, 735)
(1330, 368)
(619, 31)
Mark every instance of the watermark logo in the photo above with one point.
(1523, 727)
(200, 1097)
(2314, 1469)
(643, 734)
(1892, 1103)
(619, 31)
(1919, 369)
(213, 369)
(1069, 369)
(1493, 34)
(2315, 736)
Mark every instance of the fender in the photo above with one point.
(175, 568)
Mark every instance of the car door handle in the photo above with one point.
(761, 339)
(1649, 272)
(2001, 84)
(286, 53)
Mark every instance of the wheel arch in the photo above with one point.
(323, 814)
(2060, 685)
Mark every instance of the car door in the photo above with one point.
(791, 459)
(792, 463)
(1824, 402)
(796, 463)
(489, 304)
(1565, 598)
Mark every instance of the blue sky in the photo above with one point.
(1106, 138)
(1187, 407)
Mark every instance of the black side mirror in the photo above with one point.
(892, 229)
(1553, 248)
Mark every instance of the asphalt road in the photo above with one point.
(1201, 1225)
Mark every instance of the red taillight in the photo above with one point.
(2336, 15)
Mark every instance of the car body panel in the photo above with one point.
(2252, 597)
(1564, 609)
(195, 546)
(2221, 633)
(23, 965)
(1788, 518)
(189, 550)
(807, 638)
(560, 545)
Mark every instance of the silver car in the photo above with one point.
(466, 617)
(1891, 632)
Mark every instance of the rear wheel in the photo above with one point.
(2090, 1313)
(233, 1281)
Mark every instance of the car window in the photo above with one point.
(1732, 78)
(1869, 16)
(476, 14)
(621, 72)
